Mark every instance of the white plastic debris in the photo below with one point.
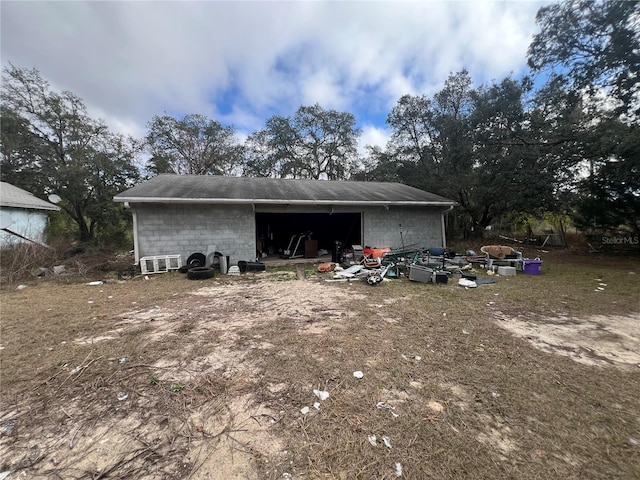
(373, 440)
(466, 283)
(316, 405)
(59, 269)
(358, 374)
(304, 410)
(495, 394)
(93, 284)
(122, 396)
(464, 332)
(386, 406)
(418, 358)
(398, 469)
(321, 394)
(122, 360)
(349, 272)
(287, 475)
(21, 287)
(387, 441)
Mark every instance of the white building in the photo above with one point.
(23, 216)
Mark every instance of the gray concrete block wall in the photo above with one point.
(421, 227)
(185, 229)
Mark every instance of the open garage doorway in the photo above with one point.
(275, 231)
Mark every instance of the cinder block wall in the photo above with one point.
(421, 227)
(186, 229)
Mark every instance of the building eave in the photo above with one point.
(259, 201)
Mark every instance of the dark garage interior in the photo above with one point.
(275, 231)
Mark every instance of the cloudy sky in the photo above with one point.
(241, 62)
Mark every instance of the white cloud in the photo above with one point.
(242, 62)
(372, 136)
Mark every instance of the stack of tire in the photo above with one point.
(196, 268)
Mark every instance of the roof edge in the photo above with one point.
(261, 201)
(26, 206)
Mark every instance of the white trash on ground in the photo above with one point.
(321, 394)
(466, 283)
(386, 406)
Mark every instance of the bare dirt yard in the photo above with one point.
(252, 377)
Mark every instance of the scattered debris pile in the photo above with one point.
(430, 265)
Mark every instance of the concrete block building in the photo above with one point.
(243, 217)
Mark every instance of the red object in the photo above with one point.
(375, 252)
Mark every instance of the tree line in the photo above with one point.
(563, 140)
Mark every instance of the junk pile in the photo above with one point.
(430, 265)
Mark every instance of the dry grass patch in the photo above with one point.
(170, 378)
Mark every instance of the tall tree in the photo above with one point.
(473, 146)
(610, 196)
(315, 143)
(590, 50)
(593, 46)
(21, 151)
(435, 135)
(50, 144)
(194, 145)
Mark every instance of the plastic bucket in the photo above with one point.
(531, 267)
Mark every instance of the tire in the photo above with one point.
(197, 260)
(200, 273)
(184, 268)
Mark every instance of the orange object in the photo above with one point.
(375, 252)
(326, 267)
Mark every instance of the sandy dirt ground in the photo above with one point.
(596, 340)
(222, 439)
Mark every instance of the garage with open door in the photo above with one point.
(243, 217)
(279, 233)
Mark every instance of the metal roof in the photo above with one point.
(247, 190)
(12, 196)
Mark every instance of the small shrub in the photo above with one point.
(20, 261)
